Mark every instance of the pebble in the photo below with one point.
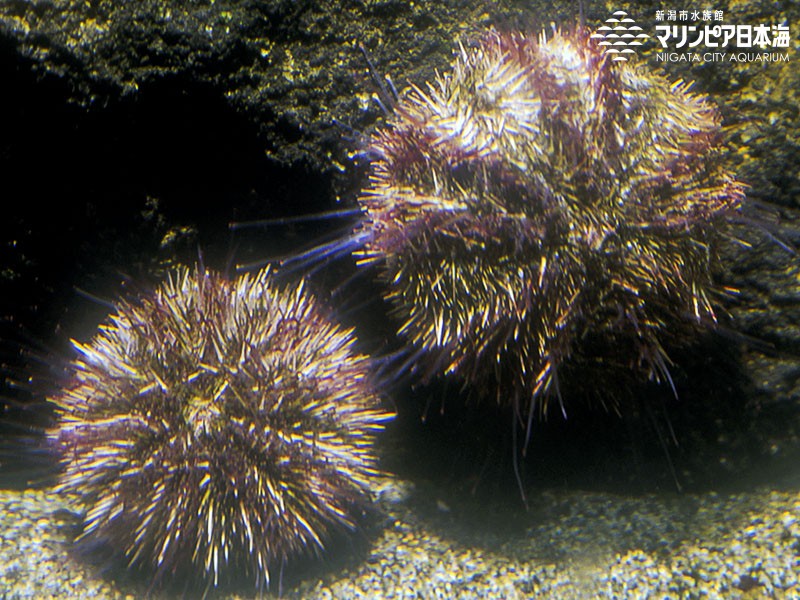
(577, 545)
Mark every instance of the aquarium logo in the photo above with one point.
(697, 36)
(706, 36)
(620, 36)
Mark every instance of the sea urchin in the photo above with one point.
(217, 423)
(541, 207)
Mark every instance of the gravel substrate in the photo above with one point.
(569, 545)
(35, 561)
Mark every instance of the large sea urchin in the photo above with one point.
(215, 423)
(540, 207)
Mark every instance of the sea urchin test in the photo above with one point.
(218, 424)
(542, 206)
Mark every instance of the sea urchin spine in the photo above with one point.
(541, 206)
(218, 422)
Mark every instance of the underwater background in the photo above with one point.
(133, 135)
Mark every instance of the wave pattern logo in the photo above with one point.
(619, 34)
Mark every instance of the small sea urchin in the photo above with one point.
(218, 423)
(541, 207)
